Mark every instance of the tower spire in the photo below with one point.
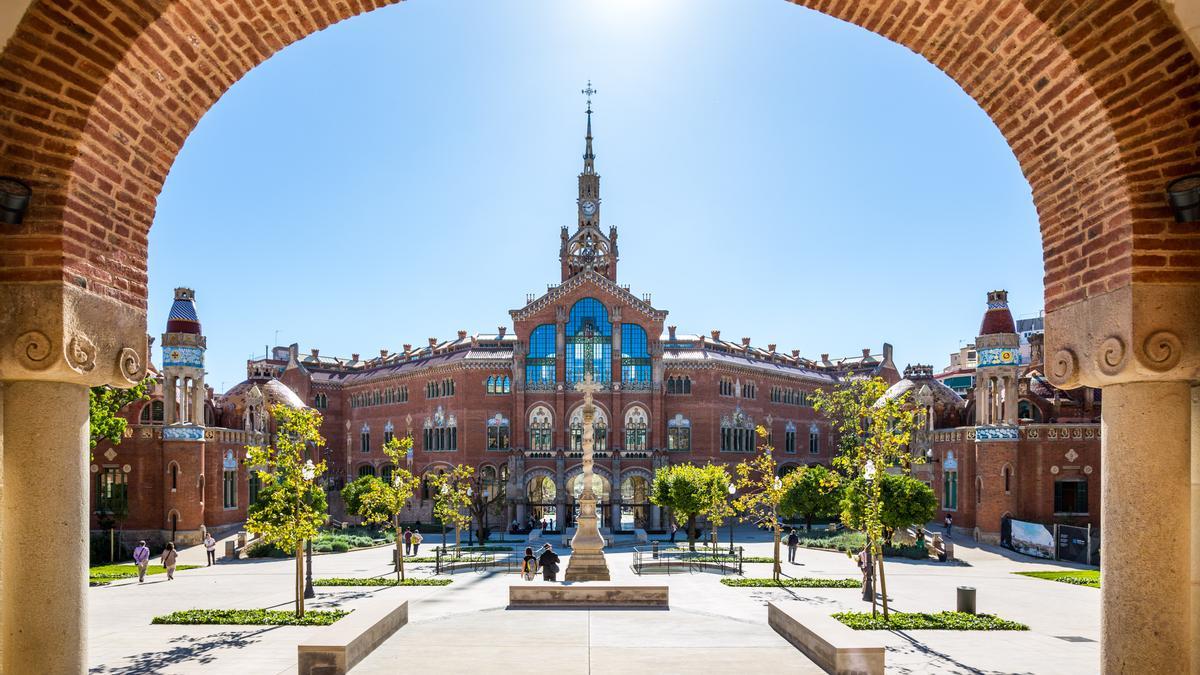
(589, 157)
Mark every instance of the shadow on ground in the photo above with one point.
(184, 649)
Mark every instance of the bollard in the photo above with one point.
(654, 549)
(230, 551)
(966, 599)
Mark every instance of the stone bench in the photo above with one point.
(832, 645)
(587, 595)
(335, 649)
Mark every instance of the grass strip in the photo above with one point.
(1089, 578)
(806, 582)
(102, 574)
(926, 621)
(380, 581)
(249, 617)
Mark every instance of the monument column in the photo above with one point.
(587, 546)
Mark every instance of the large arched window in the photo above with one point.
(152, 413)
(441, 432)
(589, 342)
(635, 428)
(599, 430)
(679, 433)
(541, 429)
(497, 432)
(539, 363)
(366, 470)
(737, 432)
(635, 356)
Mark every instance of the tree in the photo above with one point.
(813, 493)
(689, 491)
(292, 506)
(450, 497)
(483, 493)
(906, 501)
(383, 501)
(104, 410)
(761, 491)
(874, 434)
(352, 495)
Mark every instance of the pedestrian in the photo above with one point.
(169, 556)
(866, 565)
(210, 547)
(793, 541)
(549, 563)
(141, 558)
(545, 525)
(529, 564)
(949, 524)
(674, 529)
(416, 541)
(408, 542)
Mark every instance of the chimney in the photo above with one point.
(824, 358)
(383, 353)
(316, 353)
(671, 331)
(407, 348)
(795, 353)
(462, 335)
(716, 336)
(1037, 350)
(887, 352)
(771, 347)
(501, 330)
(866, 352)
(354, 357)
(746, 342)
(433, 342)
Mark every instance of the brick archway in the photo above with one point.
(1099, 100)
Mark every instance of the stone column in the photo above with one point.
(1195, 641)
(1146, 612)
(43, 609)
(655, 517)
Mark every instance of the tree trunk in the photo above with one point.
(300, 580)
(871, 572)
(399, 550)
(808, 523)
(777, 566)
(691, 525)
(883, 587)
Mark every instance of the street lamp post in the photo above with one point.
(308, 586)
(732, 492)
(483, 529)
(470, 530)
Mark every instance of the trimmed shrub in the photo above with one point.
(380, 581)
(925, 621)
(793, 583)
(249, 617)
(339, 546)
(261, 549)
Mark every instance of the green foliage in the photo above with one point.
(380, 581)
(249, 617)
(690, 491)
(262, 549)
(905, 501)
(925, 621)
(793, 583)
(761, 490)
(353, 493)
(104, 407)
(844, 540)
(815, 492)
(450, 497)
(1089, 578)
(339, 547)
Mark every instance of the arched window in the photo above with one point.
(174, 472)
(670, 385)
(255, 486)
(599, 430)
(364, 439)
(589, 342)
(814, 439)
(539, 363)
(635, 355)
(541, 429)
(737, 432)
(387, 472)
(491, 385)
(978, 491)
(1007, 473)
(441, 432)
(635, 429)
(366, 470)
(497, 432)
(789, 438)
(679, 433)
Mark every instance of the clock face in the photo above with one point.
(589, 207)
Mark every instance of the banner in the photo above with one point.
(1072, 544)
(1032, 539)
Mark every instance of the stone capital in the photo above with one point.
(62, 333)
(1141, 333)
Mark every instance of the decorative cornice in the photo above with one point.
(1141, 333)
(603, 283)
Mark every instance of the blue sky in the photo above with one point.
(774, 173)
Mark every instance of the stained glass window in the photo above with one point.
(539, 364)
(635, 354)
(589, 342)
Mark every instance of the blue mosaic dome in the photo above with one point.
(182, 318)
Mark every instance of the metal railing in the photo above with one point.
(669, 560)
(452, 559)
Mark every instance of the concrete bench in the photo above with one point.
(587, 595)
(335, 649)
(832, 645)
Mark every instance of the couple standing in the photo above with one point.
(547, 560)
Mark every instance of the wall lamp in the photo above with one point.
(14, 200)
(1184, 196)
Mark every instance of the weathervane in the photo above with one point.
(588, 92)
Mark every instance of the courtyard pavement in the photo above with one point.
(708, 628)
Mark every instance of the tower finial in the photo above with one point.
(588, 156)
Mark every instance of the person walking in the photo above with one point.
(169, 556)
(793, 541)
(529, 564)
(949, 524)
(210, 547)
(674, 529)
(866, 565)
(141, 558)
(416, 541)
(408, 542)
(549, 563)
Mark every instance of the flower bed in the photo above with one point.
(807, 582)
(380, 581)
(249, 617)
(925, 621)
(1089, 578)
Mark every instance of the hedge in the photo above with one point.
(807, 582)
(925, 621)
(249, 617)
(380, 581)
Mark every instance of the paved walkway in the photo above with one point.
(709, 627)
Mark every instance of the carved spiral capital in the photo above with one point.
(33, 350)
(1111, 355)
(81, 353)
(129, 365)
(1161, 351)
(1063, 368)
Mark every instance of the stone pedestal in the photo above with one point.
(1146, 613)
(587, 553)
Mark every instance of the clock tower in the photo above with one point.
(589, 248)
